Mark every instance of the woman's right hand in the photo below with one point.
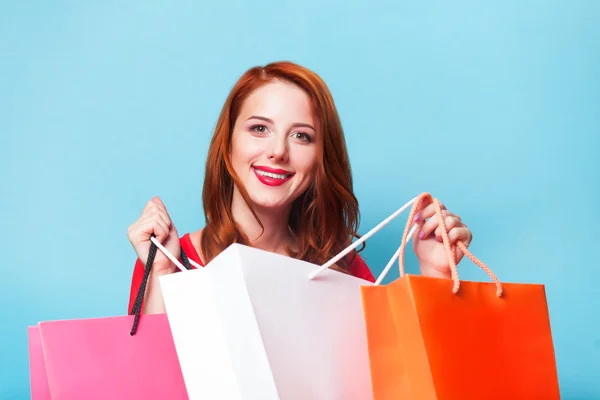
(155, 219)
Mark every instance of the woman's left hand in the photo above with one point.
(427, 240)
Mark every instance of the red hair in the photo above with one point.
(325, 217)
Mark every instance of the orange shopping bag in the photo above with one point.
(433, 338)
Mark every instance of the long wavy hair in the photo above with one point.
(325, 217)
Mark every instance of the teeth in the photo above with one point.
(270, 175)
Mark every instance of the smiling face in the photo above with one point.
(274, 145)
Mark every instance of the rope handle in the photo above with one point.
(155, 245)
(357, 243)
(450, 251)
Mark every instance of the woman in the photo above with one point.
(278, 178)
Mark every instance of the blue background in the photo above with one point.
(494, 107)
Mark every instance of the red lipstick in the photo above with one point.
(272, 176)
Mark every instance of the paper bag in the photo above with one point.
(432, 338)
(258, 325)
(252, 325)
(122, 357)
(38, 379)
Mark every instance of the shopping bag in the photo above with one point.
(121, 357)
(433, 338)
(38, 380)
(253, 324)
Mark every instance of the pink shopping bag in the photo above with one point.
(37, 370)
(122, 357)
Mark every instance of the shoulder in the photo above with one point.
(190, 243)
(359, 268)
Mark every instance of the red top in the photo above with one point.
(358, 268)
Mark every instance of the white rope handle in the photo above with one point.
(394, 257)
(354, 245)
(173, 259)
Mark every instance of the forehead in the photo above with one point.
(279, 101)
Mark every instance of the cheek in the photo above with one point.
(243, 149)
(306, 161)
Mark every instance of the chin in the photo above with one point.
(270, 203)
(274, 198)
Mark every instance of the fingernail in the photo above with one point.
(417, 218)
(421, 235)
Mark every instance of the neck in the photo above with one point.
(275, 237)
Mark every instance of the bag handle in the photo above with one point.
(450, 250)
(357, 243)
(154, 246)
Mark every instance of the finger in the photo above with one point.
(451, 222)
(165, 219)
(153, 215)
(431, 224)
(149, 205)
(424, 213)
(154, 210)
(428, 227)
(415, 235)
(156, 200)
(163, 233)
(427, 212)
(154, 204)
(423, 204)
(423, 208)
(155, 226)
(461, 233)
(162, 212)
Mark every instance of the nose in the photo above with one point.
(278, 149)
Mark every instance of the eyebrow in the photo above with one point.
(296, 125)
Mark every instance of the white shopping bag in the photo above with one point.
(258, 325)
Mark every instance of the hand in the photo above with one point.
(427, 240)
(155, 219)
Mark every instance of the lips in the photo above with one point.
(272, 176)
